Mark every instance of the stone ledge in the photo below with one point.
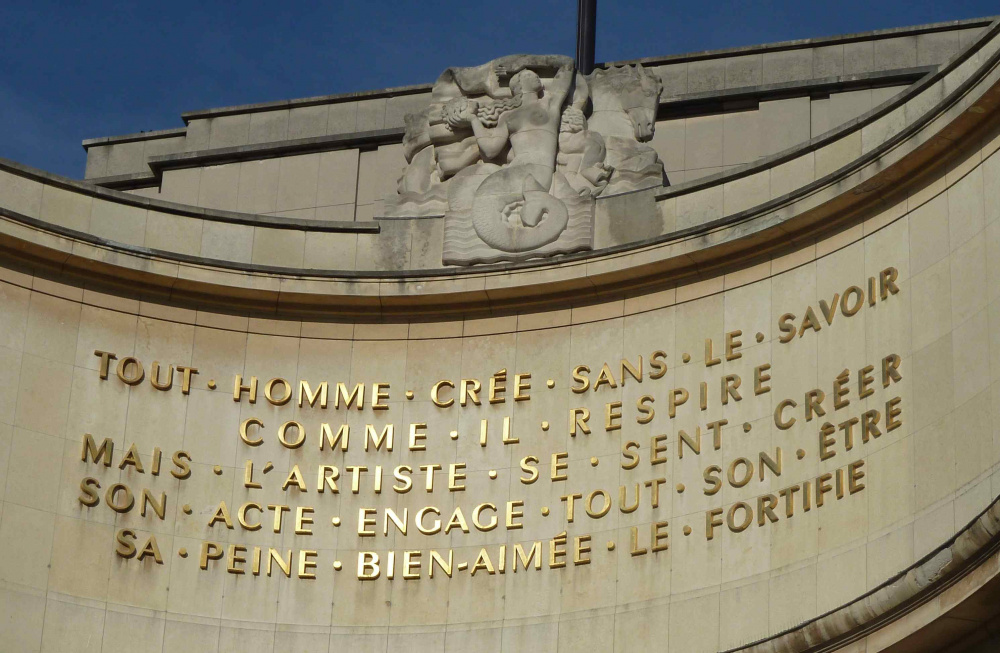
(390, 92)
(648, 61)
(89, 189)
(798, 44)
(128, 181)
(176, 132)
(270, 150)
(670, 106)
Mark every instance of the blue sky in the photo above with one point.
(87, 69)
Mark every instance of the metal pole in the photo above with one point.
(586, 30)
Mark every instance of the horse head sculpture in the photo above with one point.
(625, 91)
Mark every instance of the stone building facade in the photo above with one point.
(251, 400)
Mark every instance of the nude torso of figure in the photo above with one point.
(533, 129)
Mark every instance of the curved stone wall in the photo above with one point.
(780, 400)
(933, 259)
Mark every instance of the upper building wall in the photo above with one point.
(768, 97)
(350, 184)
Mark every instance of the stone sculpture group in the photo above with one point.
(514, 153)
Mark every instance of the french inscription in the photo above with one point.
(341, 421)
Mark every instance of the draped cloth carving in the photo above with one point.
(514, 153)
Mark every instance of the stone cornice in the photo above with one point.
(914, 133)
(89, 189)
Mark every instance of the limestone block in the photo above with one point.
(465, 593)
(895, 53)
(970, 35)
(746, 192)
(66, 208)
(268, 126)
(119, 223)
(627, 218)
(934, 362)
(278, 247)
(426, 240)
(11, 359)
(788, 66)
(859, 57)
(245, 638)
(849, 105)
(783, 124)
(251, 599)
(43, 395)
(80, 558)
(298, 214)
(972, 500)
(594, 633)
(745, 613)
(674, 78)
(744, 71)
(792, 598)
(418, 642)
(72, 627)
(390, 163)
(741, 137)
(126, 158)
(97, 161)
(973, 446)
(181, 185)
(929, 240)
(338, 178)
(307, 642)
(227, 242)
(190, 637)
(170, 338)
(229, 131)
(703, 142)
(219, 186)
(132, 632)
(173, 233)
(32, 480)
(968, 268)
(307, 122)
(396, 108)
(298, 182)
(668, 141)
(329, 251)
(52, 328)
(198, 135)
(891, 551)
(258, 186)
(828, 61)
(966, 208)
(706, 75)
(636, 627)
(837, 154)
(369, 184)
(842, 576)
(211, 412)
(342, 118)
(694, 624)
(700, 207)
(473, 639)
(21, 194)
(371, 115)
(886, 93)
(161, 146)
(820, 118)
(23, 613)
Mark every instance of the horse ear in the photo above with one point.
(649, 79)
